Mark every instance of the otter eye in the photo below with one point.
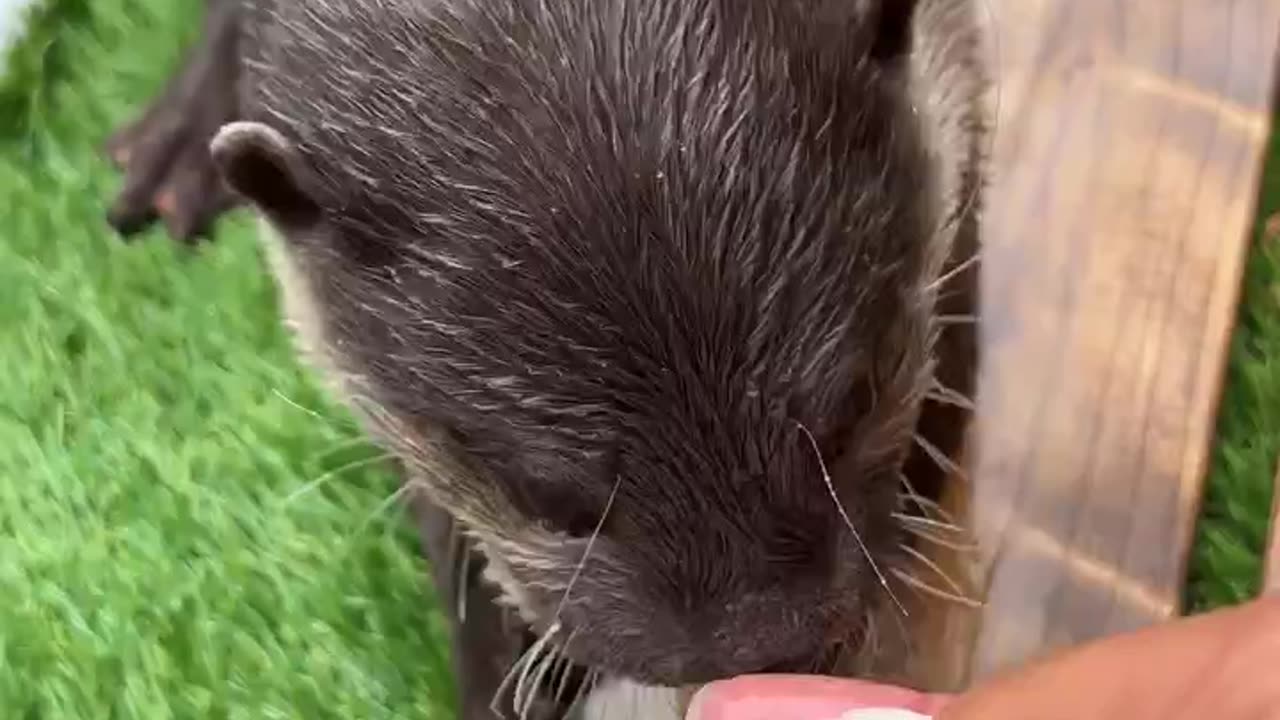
(561, 509)
(580, 525)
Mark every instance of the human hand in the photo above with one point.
(1223, 665)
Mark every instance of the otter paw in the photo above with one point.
(169, 176)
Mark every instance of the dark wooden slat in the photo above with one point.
(1271, 566)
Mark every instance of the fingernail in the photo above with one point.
(882, 714)
(804, 698)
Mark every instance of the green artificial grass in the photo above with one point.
(1226, 565)
(189, 528)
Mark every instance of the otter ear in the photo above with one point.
(894, 25)
(260, 164)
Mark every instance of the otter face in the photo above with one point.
(643, 298)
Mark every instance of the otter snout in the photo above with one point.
(762, 632)
(667, 641)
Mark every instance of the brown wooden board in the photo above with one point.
(1271, 563)
(1129, 145)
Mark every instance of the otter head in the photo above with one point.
(643, 298)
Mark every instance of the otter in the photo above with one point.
(665, 307)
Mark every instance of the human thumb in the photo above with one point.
(802, 697)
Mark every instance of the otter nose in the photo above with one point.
(760, 651)
(768, 633)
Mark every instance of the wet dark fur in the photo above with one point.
(605, 249)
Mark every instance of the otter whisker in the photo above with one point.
(953, 273)
(584, 690)
(299, 406)
(940, 533)
(331, 474)
(557, 670)
(844, 515)
(935, 592)
(953, 400)
(586, 553)
(566, 671)
(925, 504)
(960, 547)
(934, 529)
(519, 671)
(535, 657)
(929, 506)
(549, 660)
(940, 458)
(524, 701)
(928, 523)
(937, 570)
(391, 499)
(949, 396)
(516, 667)
(956, 319)
(348, 444)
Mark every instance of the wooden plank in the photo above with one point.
(1127, 154)
(1271, 564)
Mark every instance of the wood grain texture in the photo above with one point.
(1128, 150)
(1271, 561)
